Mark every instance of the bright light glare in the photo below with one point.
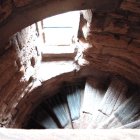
(60, 29)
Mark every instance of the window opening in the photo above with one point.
(61, 29)
(59, 33)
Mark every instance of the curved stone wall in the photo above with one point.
(113, 41)
(16, 15)
(113, 36)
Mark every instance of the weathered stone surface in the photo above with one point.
(109, 40)
(132, 6)
(114, 38)
(33, 95)
(115, 26)
(74, 101)
(106, 23)
(7, 74)
(114, 63)
(119, 117)
(114, 43)
(134, 18)
(10, 86)
(5, 9)
(7, 59)
(20, 3)
(57, 106)
(134, 33)
(6, 92)
(133, 125)
(115, 89)
(134, 47)
(36, 10)
(16, 72)
(44, 119)
(92, 97)
(85, 120)
(121, 53)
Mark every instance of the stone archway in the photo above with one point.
(19, 15)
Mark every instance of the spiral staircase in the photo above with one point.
(89, 104)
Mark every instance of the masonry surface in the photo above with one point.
(109, 34)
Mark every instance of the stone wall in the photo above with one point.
(19, 14)
(18, 67)
(114, 40)
(21, 89)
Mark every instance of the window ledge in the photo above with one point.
(57, 53)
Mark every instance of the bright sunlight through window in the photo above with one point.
(61, 29)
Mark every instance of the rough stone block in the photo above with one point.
(109, 40)
(130, 6)
(20, 3)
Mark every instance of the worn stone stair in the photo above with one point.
(133, 125)
(91, 102)
(44, 119)
(110, 102)
(127, 113)
(90, 105)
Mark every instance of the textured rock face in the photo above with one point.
(18, 67)
(20, 3)
(113, 40)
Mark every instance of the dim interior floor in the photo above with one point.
(88, 104)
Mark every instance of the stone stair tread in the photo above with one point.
(57, 106)
(96, 120)
(92, 98)
(132, 107)
(121, 99)
(44, 119)
(64, 100)
(91, 107)
(125, 114)
(109, 102)
(74, 102)
(84, 120)
(133, 125)
(91, 102)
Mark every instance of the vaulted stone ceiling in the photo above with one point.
(112, 36)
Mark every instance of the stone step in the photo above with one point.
(92, 97)
(57, 53)
(57, 106)
(64, 100)
(43, 118)
(127, 113)
(74, 101)
(110, 102)
(111, 99)
(78, 107)
(62, 109)
(97, 119)
(133, 125)
(91, 102)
